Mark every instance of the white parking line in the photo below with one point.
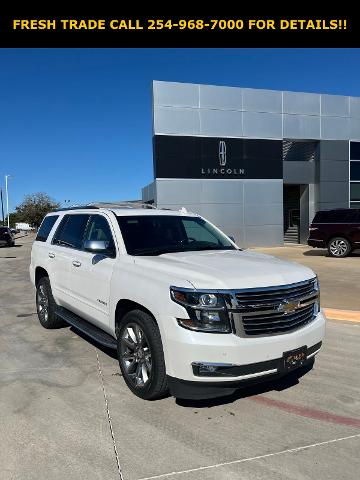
(259, 457)
(109, 418)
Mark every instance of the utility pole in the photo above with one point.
(7, 199)
(2, 207)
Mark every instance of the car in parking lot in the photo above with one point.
(6, 237)
(187, 310)
(337, 230)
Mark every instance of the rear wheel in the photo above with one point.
(339, 247)
(46, 306)
(141, 355)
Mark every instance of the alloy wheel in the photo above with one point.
(338, 247)
(135, 355)
(42, 303)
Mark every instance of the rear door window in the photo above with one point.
(45, 228)
(71, 230)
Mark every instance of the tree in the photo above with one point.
(34, 207)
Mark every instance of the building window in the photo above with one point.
(355, 174)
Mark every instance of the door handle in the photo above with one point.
(51, 255)
(76, 263)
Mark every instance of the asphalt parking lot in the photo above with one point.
(66, 412)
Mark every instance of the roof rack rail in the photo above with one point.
(130, 204)
(74, 207)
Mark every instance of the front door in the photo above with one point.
(91, 274)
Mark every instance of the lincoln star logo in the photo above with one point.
(222, 153)
(288, 306)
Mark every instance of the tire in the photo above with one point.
(46, 306)
(141, 355)
(339, 247)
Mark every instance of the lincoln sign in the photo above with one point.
(178, 156)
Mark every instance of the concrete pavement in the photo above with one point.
(67, 413)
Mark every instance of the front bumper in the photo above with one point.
(207, 390)
(252, 357)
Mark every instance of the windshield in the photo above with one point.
(158, 234)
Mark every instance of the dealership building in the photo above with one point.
(257, 163)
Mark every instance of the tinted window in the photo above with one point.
(98, 229)
(335, 216)
(355, 150)
(70, 232)
(45, 228)
(354, 170)
(3, 230)
(354, 191)
(158, 234)
(356, 205)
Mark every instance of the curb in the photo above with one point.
(343, 315)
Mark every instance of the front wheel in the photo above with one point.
(141, 355)
(339, 247)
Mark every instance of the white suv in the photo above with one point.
(187, 310)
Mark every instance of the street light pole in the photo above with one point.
(2, 207)
(7, 199)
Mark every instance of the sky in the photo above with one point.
(76, 123)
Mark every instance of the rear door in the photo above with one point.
(91, 273)
(66, 242)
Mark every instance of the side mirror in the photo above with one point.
(99, 246)
(232, 238)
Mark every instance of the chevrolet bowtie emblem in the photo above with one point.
(288, 306)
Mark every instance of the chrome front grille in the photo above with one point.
(275, 310)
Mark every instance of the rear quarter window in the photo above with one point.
(45, 228)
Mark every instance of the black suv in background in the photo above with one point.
(6, 237)
(337, 230)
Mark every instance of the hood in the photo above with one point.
(227, 269)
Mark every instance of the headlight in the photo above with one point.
(207, 310)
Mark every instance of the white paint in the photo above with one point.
(250, 459)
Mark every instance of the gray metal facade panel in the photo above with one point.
(331, 206)
(178, 191)
(332, 171)
(355, 107)
(301, 126)
(335, 128)
(175, 94)
(266, 235)
(262, 125)
(301, 103)
(222, 98)
(222, 191)
(229, 215)
(217, 123)
(355, 129)
(334, 150)
(299, 172)
(176, 121)
(333, 192)
(264, 214)
(255, 100)
(263, 191)
(335, 105)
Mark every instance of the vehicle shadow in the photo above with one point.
(278, 385)
(324, 253)
(316, 252)
(108, 351)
